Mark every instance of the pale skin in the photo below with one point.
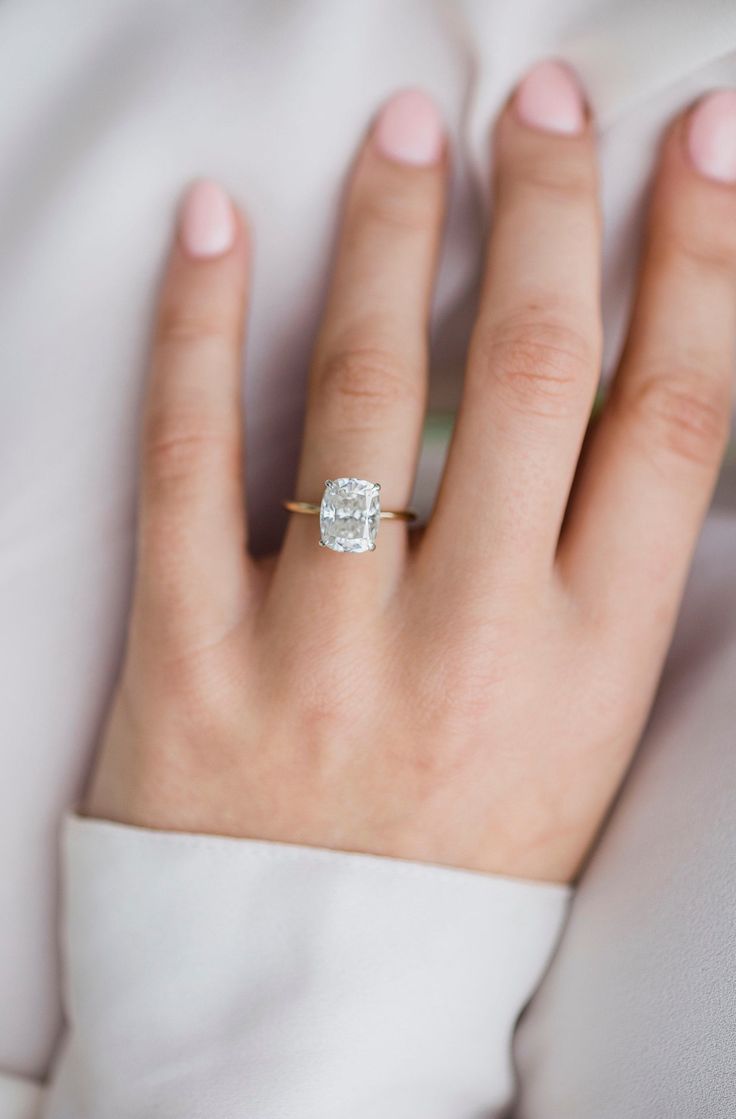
(484, 701)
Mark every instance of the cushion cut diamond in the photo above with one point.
(349, 515)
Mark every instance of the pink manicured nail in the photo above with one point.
(206, 220)
(711, 137)
(549, 98)
(409, 129)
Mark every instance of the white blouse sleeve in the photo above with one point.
(235, 978)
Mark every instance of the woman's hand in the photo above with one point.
(472, 697)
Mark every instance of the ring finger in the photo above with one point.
(367, 390)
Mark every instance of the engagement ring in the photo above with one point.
(349, 514)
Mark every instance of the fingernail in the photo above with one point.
(711, 136)
(409, 129)
(206, 220)
(550, 98)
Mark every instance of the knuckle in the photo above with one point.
(179, 328)
(363, 385)
(686, 415)
(176, 449)
(399, 211)
(686, 229)
(572, 179)
(541, 367)
(699, 249)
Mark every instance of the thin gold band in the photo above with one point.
(386, 514)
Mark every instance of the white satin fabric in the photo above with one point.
(106, 110)
(636, 1018)
(266, 980)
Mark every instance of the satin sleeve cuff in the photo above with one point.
(212, 976)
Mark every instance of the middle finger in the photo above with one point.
(535, 351)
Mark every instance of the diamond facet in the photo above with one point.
(349, 515)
